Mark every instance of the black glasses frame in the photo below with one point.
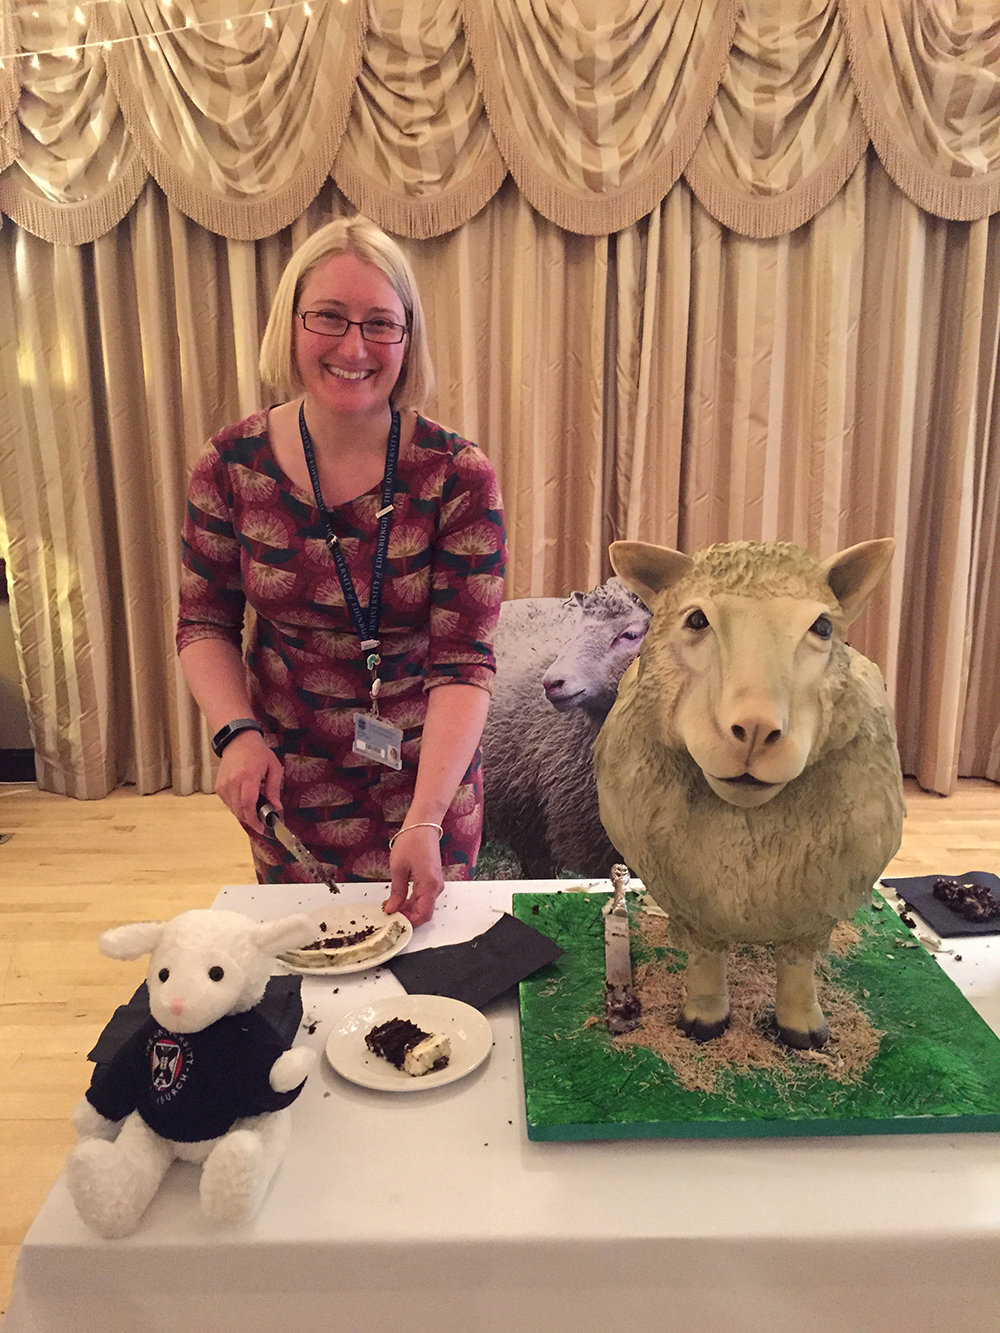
(361, 324)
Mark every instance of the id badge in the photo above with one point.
(377, 741)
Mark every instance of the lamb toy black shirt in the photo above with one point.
(191, 1086)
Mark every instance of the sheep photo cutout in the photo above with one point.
(748, 771)
(559, 662)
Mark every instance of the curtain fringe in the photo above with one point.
(419, 218)
(10, 142)
(72, 224)
(764, 217)
(579, 211)
(242, 219)
(958, 199)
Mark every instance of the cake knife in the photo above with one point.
(287, 838)
(622, 1007)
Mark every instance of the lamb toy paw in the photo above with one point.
(205, 1080)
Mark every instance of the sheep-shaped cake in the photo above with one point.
(205, 1080)
(748, 771)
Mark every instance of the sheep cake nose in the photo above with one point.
(755, 734)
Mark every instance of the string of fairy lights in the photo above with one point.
(74, 50)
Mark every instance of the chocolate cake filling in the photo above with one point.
(341, 941)
(395, 1037)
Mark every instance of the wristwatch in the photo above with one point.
(225, 734)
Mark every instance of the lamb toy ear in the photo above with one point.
(645, 569)
(127, 942)
(289, 932)
(854, 574)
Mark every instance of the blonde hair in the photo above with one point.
(357, 236)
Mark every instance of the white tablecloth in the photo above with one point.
(433, 1213)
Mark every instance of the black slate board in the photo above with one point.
(918, 891)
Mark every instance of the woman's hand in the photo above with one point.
(248, 768)
(415, 867)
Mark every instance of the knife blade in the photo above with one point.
(623, 1009)
(273, 822)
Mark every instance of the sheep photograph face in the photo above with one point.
(753, 680)
(608, 634)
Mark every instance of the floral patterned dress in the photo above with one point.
(252, 536)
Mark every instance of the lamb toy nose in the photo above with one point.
(176, 1007)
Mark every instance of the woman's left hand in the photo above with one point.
(417, 880)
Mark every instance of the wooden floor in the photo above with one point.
(73, 868)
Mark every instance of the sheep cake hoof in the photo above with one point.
(698, 1030)
(814, 1040)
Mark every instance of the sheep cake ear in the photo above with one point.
(854, 574)
(645, 569)
(128, 942)
(289, 932)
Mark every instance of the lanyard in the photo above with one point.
(367, 628)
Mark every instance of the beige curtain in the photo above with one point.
(418, 108)
(695, 310)
(842, 386)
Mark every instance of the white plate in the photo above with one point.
(341, 917)
(470, 1034)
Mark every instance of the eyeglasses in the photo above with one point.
(335, 326)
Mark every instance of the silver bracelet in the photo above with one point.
(423, 823)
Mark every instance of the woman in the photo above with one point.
(359, 711)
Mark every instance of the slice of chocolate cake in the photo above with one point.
(408, 1047)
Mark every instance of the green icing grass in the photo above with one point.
(937, 1070)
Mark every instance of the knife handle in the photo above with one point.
(267, 811)
(619, 880)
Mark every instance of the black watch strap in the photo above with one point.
(225, 734)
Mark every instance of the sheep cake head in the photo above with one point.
(746, 654)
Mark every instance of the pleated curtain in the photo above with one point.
(694, 271)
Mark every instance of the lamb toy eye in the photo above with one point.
(163, 973)
(821, 627)
(696, 620)
(216, 973)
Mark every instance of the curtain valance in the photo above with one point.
(241, 109)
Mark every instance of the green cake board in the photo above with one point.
(937, 1070)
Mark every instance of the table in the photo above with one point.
(433, 1211)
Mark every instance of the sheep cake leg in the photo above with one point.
(800, 1020)
(705, 1014)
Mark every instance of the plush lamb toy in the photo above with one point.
(206, 1079)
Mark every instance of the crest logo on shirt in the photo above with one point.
(168, 1061)
(170, 1065)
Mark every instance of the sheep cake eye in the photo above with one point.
(163, 973)
(696, 620)
(822, 627)
(216, 973)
